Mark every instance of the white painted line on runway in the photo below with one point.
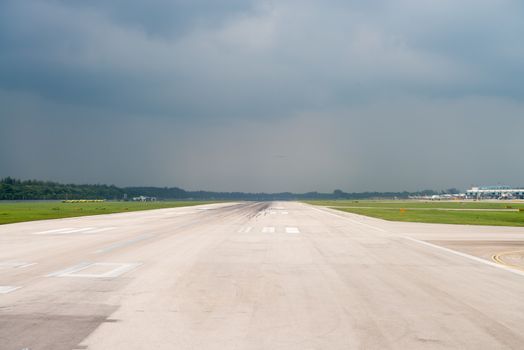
(117, 270)
(102, 229)
(464, 255)
(122, 244)
(272, 212)
(245, 229)
(8, 289)
(345, 217)
(292, 230)
(268, 229)
(15, 264)
(53, 231)
(451, 251)
(77, 230)
(285, 213)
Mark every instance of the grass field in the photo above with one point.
(470, 213)
(11, 212)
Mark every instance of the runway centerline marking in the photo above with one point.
(268, 229)
(292, 230)
(8, 289)
(117, 270)
(245, 229)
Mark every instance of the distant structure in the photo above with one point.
(144, 199)
(495, 192)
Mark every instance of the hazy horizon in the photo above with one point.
(263, 96)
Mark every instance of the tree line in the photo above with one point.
(16, 189)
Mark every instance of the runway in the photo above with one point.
(279, 275)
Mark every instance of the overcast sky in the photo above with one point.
(254, 95)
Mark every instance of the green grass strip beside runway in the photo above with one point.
(502, 214)
(11, 212)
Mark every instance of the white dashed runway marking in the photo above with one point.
(285, 213)
(268, 229)
(68, 230)
(15, 264)
(292, 230)
(8, 289)
(56, 231)
(245, 229)
(101, 270)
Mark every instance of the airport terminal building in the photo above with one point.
(496, 192)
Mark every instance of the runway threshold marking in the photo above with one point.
(8, 289)
(268, 229)
(117, 270)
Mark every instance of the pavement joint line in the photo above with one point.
(8, 289)
(122, 244)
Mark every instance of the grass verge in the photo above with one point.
(11, 212)
(466, 213)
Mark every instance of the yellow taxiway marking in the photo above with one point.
(498, 258)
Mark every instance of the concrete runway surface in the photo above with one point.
(278, 275)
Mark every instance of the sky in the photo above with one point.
(258, 95)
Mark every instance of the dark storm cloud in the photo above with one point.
(360, 95)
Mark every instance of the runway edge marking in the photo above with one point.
(451, 251)
(349, 219)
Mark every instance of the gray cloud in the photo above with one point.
(361, 95)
